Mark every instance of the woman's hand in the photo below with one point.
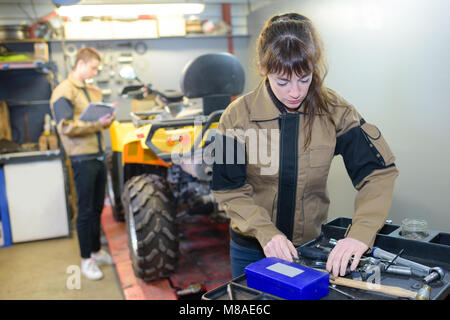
(340, 255)
(280, 247)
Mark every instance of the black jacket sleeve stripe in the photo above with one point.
(63, 109)
(360, 156)
(230, 165)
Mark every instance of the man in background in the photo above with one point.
(84, 144)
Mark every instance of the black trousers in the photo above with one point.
(90, 183)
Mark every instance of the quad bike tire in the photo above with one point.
(113, 189)
(151, 227)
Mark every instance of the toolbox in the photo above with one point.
(287, 279)
(433, 251)
(237, 289)
(390, 230)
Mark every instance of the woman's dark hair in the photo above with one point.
(290, 44)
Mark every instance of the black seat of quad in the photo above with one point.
(214, 77)
(172, 95)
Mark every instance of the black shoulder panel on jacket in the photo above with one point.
(229, 168)
(63, 109)
(361, 157)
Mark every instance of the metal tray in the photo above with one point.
(393, 230)
(435, 251)
(240, 291)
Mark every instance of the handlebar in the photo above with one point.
(138, 121)
(206, 122)
(142, 91)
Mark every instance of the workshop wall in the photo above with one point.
(390, 60)
(160, 65)
(157, 61)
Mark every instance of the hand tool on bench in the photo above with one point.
(430, 273)
(423, 294)
(325, 249)
(316, 255)
(348, 295)
(312, 253)
(387, 267)
(401, 270)
(384, 261)
(230, 292)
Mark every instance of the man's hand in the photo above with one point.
(340, 255)
(107, 119)
(280, 247)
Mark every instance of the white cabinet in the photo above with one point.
(36, 194)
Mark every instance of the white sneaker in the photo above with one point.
(102, 257)
(91, 270)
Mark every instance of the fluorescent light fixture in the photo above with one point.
(82, 10)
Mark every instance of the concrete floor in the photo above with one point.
(48, 270)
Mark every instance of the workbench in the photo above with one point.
(432, 251)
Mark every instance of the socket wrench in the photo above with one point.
(430, 274)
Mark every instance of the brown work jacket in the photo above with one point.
(80, 139)
(249, 191)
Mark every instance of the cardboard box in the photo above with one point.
(48, 142)
(171, 26)
(95, 29)
(194, 27)
(41, 51)
(146, 104)
(135, 29)
(5, 125)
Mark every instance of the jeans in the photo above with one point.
(90, 183)
(241, 257)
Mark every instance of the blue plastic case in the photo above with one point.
(287, 280)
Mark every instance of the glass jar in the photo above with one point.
(414, 228)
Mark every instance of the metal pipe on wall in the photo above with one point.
(226, 16)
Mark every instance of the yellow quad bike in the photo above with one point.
(163, 167)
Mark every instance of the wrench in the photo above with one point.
(429, 273)
(348, 295)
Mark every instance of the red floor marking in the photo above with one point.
(204, 258)
(133, 288)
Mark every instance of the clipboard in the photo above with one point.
(96, 110)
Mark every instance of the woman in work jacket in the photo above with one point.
(284, 135)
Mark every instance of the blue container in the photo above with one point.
(287, 280)
(5, 230)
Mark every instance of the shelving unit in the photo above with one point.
(26, 90)
(190, 36)
(17, 65)
(38, 47)
(25, 87)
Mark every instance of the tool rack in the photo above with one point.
(432, 251)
